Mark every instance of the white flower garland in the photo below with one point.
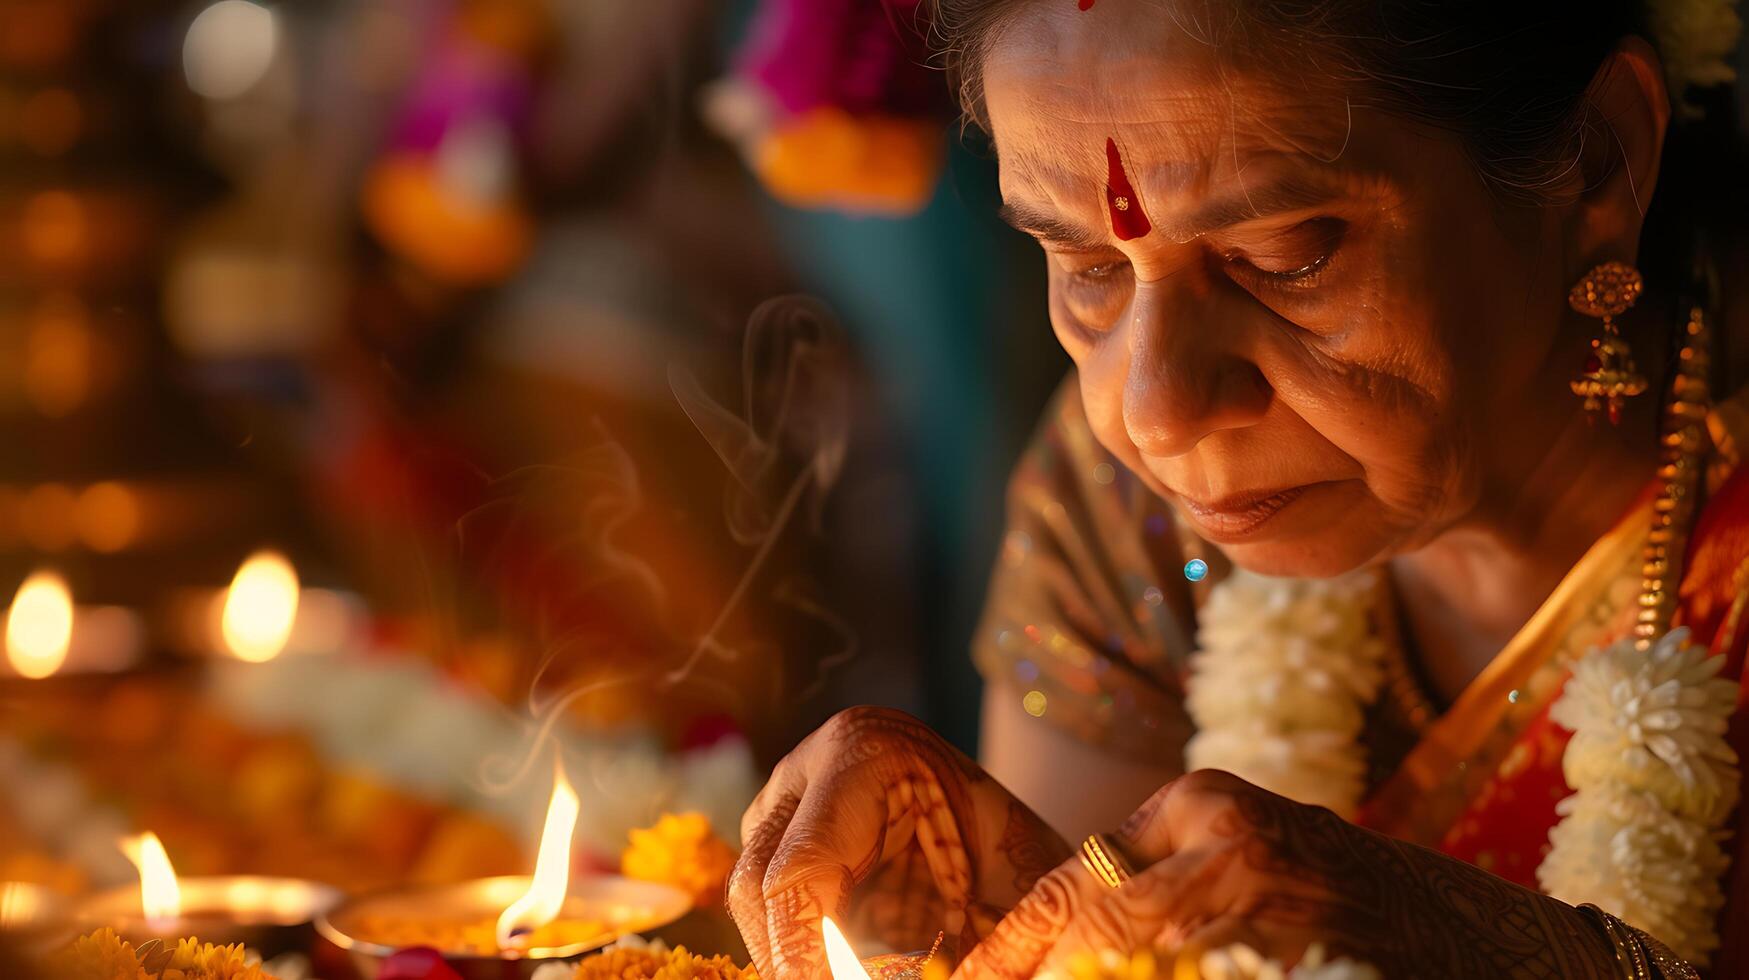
(1695, 39)
(1240, 962)
(1654, 780)
(1286, 668)
(1280, 683)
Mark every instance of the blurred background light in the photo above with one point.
(229, 48)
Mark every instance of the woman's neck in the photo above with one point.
(1467, 593)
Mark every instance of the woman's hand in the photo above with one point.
(875, 799)
(1224, 861)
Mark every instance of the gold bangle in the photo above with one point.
(1623, 949)
(1637, 955)
(1664, 961)
(1101, 857)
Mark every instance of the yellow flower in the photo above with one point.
(103, 955)
(99, 956)
(681, 850)
(194, 960)
(1111, 965)
(625, 963)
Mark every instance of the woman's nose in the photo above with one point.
(1186, 374)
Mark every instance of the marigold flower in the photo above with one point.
(681, 850)
(630, 963)
(103, 955)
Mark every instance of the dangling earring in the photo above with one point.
(1609, 377)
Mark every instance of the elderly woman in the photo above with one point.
(1387, 546)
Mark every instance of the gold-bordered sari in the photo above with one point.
(1091, 621)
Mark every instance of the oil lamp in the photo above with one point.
(845, 965)
(269, 915)
(507, 926)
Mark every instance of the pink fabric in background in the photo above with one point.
(863, 56)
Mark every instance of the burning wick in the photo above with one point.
(545, 897)
(160, 895)
(839, 956)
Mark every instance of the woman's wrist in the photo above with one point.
(1637, 955)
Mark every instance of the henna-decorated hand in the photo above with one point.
(1224, 861)
(877, 804)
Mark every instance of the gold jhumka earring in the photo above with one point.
(1609, 376)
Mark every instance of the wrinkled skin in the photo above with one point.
(1226, 862)
(877, 808)
(1330, 301)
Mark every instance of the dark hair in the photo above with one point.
(1507, 77)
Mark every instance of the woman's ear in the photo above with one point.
(1624, 142)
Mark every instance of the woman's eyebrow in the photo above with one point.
(1290, 193)
(1049, 228)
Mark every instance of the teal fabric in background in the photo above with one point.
(947, 310)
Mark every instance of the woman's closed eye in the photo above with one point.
(1294, 257)
(1094, 285)
(1101, 273)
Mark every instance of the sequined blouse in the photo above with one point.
(1090, 619)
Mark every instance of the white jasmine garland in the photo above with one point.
(1654, 781)
(1695, 40)
(1280, 682)
(1240, 962)
(1285, 670)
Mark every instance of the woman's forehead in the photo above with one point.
(1058, 82)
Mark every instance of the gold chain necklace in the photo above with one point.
(1681, 446)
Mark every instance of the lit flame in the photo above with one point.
(39, 627)
(552, 870)
(160, 896)
(839, 956)
(260, 607)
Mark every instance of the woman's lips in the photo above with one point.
(1240, 514)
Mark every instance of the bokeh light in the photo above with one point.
(108, 517)
(58, 357)
(229, 47)
(47, 517)
(39, 625)
(55, 227)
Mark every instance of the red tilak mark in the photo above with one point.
(1127, 218)
(1084, 4)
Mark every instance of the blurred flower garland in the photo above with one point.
(684, 851)
(1695, 39)
(833, 109)
(1236, 961)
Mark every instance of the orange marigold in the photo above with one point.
(195, 960)
(100, 956)
(103, 955)
(681, 850)
(630, 963)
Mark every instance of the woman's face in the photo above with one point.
(1309, 326)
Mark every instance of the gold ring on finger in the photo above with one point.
(1101, 857)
